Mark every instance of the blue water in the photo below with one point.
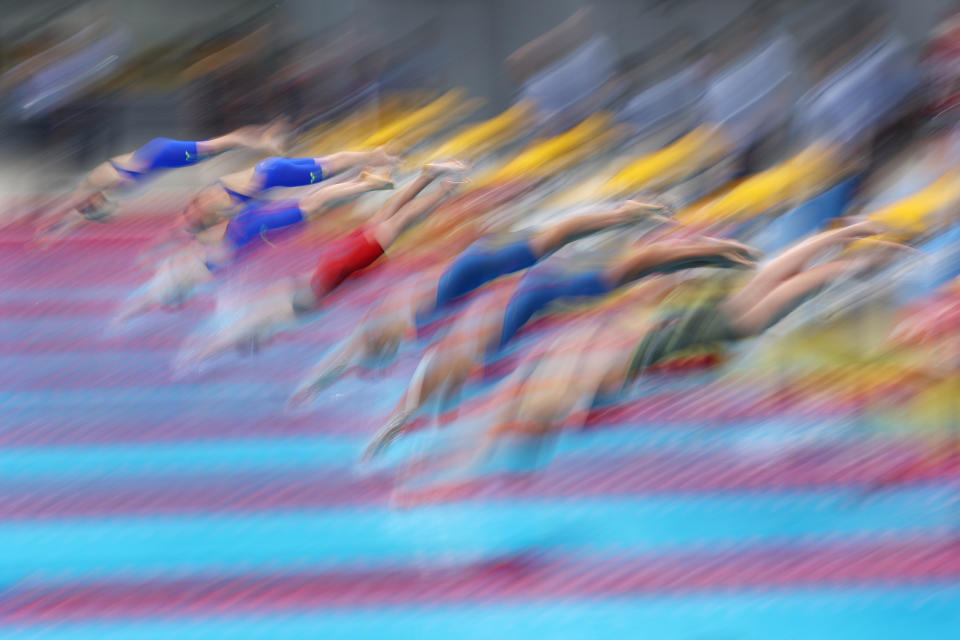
(920, 612)
(83, 400)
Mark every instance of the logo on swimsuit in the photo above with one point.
(314, 176)
(189, 158)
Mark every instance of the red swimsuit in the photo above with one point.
(342, 258)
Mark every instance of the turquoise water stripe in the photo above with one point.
(458, 532)
(234, 456)
(126, 461)
(236, 397)
(833, 614)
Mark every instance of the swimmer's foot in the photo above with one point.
(449, 186)
(377, 180)
(382, 157)
(436, 169)
(637, 211)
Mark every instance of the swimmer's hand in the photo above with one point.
(377, 180)
(303, 396)
(385, 437)
(315, 383)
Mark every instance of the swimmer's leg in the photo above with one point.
(344, 160)
(271, 138)
(789, 294)
(387, 231)
(405, 195)
(321, 197)
(551, 237)
(791, 262)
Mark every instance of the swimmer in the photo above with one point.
(179, 275)
(339, 260)
(398, 315)
(489, 323)
(555, 389)
(234, 191)
(91, 201)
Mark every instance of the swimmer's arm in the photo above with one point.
(330, 368)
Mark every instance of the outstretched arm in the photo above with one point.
(331, 368)
(427, 379)
(553, 236)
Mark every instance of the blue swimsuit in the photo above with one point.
(288, 172)
(279, 172)
(260, 217)
(540, 287)
(158, 154)
(485, 260)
